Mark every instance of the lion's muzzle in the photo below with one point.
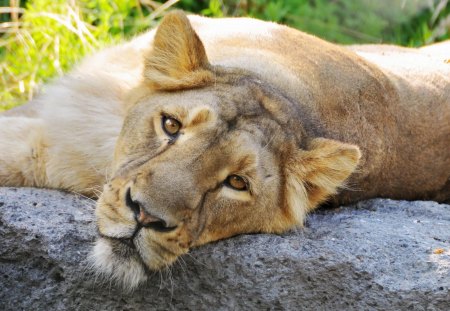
(146, 219)
(137, 234)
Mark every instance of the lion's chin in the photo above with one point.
(117, 263)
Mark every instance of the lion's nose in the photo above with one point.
(144, 219)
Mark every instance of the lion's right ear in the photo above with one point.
(178, 59)
(313, 175)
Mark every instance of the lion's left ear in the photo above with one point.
(313, 175)
(178, 59)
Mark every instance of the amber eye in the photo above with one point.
(236, 182)
(171, 126)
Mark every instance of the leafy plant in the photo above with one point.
(429, 25)
(214, 9)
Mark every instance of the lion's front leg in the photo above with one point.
(22, 152)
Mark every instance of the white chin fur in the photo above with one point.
(126, 272)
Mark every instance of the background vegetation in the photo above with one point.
(40, 39)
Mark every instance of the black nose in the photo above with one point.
(144, 219)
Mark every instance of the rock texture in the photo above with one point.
(375, 255)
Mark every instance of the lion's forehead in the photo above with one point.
(242, 105)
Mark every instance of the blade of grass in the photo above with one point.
(6, 10)
(158, 11)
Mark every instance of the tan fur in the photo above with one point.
(295, 116)
(318, 173)
(179, 62)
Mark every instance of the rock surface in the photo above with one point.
(375, 255)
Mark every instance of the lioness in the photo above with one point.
(208, 128)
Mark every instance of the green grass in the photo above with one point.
(53, 35)
(403, 22)
(43, 39)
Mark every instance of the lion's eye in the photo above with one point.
(236, 182)
(171, 126)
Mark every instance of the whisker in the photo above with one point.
(160, 282)
(182, 263)
(84, 197)
(168, 270)
(196, 260)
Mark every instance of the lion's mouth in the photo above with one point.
(123, 247)
(149, 253)
(127, 242)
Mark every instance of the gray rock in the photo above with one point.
(375, 255)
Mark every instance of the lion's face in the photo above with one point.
(191, 167)
(199, 161)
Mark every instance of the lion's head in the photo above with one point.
(206, 153)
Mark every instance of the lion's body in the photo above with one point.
(395, 106)
(393, 103)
